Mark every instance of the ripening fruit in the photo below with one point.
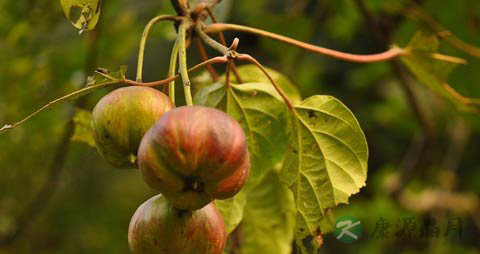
(121, 118)
(158, 228)
(194, 155)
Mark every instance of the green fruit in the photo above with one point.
(194, 155)
(158, 228)
(121, 118)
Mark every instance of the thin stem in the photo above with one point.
(171, 72)
(143, 41)
(384, 56)
(180, 6)
(227, 74)
(221, 37)
(204, 57)
(215, 60)
(182, 53)
(87, 90)
(248, 58)
(209, 41)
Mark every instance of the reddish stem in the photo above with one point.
(387, 55)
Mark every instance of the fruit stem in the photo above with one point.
(143, 41)
(248, 58)
(172, 71)
(392, 53)
(227, 74)
(204, 57)
(209, 41)
(222, 40)
(182, 54)
(180, 6)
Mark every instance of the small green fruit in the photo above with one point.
(158, 228)
(194, 155)
(121, 118)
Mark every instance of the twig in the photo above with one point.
(171, 72)
(204, 57)
(143, 40)
(392, 53)
(89, 89)
(209, 41)
(182, 54)
(180, 6)
(221, 37)
(248, 58)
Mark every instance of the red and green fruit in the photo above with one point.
(193, 155)
(158, 228)
(121, 118)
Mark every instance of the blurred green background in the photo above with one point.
(86, 205)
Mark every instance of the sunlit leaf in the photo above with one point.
(262, 115)
(250, 73)
(326, 163)
(83, 14)
(269, 219)
(83, 131)
(232, 210)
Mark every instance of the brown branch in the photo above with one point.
(180, 6)
(204, 57)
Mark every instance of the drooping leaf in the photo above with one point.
(433, 69)
(83, 131)
(262, 115)
(326, 163)
(232, 210)
(250, 73)
(100, 79)
(83, 14)
(269, 219)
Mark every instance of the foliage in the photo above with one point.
(304, 160)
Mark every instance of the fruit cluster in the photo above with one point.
(191, 154)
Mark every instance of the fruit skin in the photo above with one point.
(159, 228)
(193, 155)
(122, 117)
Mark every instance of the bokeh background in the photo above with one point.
(58, 196)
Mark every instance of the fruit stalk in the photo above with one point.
(143, 41)
(182, 54)
(171, 72)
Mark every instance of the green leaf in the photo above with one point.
(433, 69)
(232, 210)
(83, 14)
(326, 163)
(250, 73)
(263, 117)
(83, 131)
(269, 219)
